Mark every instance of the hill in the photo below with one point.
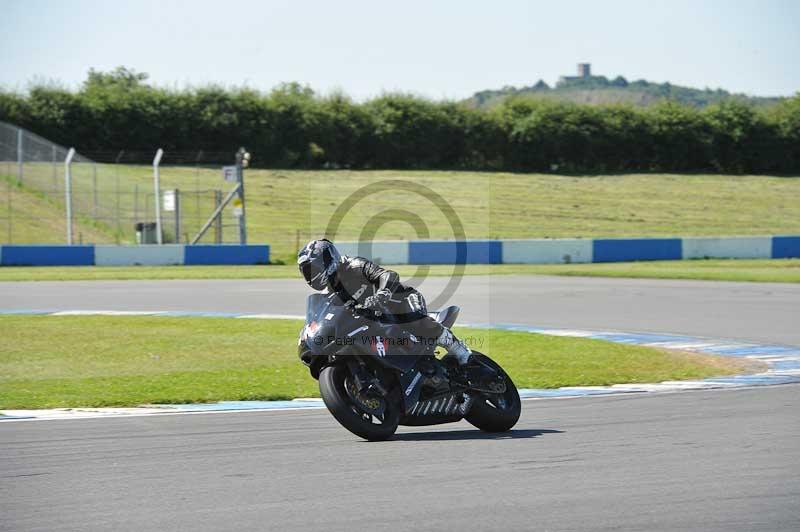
(599, 90)
(29, 216)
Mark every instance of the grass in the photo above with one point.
(766, 270)
(760, 270)
(74, 361)
(29, 216)
(286, 207)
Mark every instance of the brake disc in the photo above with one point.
(497, 387)
(369, 403)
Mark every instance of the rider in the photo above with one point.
(358, 280)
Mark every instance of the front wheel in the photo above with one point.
(495, 412)
(372, 418)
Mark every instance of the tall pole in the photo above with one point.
(218, 225)
(10, 214)
(242, 161)
(157, 188)
(94, 189)
(68, 192)
(116, 186)
(177, 216)
(55, 171)
(135, 202)
(20, 153)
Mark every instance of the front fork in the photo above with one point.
(366, 381)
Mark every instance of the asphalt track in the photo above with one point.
(759, 312)
(704, 460)
(718, 460)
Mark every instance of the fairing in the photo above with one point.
(333, 329)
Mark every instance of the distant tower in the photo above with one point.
(584, 70)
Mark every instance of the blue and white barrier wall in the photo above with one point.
(150, 255)
(566, 251)
(534, 251)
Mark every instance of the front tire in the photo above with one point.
(495, 412)
(347, 411)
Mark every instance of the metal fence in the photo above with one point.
(110, 199)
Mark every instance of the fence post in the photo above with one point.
(177, 216)
(218, 225)
(10, 213)
(157, 188)
(242, 161)
(116, 185)
(116, 201)
(94, 190)
(55, 171)
(20, 153)
(136, 202)
(68, 192)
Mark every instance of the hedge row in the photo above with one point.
(293, 127)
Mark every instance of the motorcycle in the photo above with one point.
(374, 375)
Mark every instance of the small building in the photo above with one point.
(584, 72)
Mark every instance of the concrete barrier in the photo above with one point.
(225, 254)
(547, 251)
(534, 251)
(633, 249)
(785, 247)
(380, 251)
(453, 252)
(151, 255)
(32, 255)
(732, 247)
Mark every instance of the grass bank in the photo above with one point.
(30, 216)
(766, 270)
(73, 361)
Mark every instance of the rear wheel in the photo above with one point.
(495, 412)
(373, 418)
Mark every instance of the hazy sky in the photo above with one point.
(441, 49)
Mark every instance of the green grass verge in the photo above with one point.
(285, 207)
(73, 361)
(761, 270)
(766, 270)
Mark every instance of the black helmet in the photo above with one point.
(318, 262)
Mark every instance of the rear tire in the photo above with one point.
(495, 412)
(348, 413)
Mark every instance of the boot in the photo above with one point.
(455, 347)
(476, 374)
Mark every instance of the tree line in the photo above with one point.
(292, 127)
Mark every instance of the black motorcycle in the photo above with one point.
(374, 375)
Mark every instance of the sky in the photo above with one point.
(440, 49)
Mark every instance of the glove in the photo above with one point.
(378, 301)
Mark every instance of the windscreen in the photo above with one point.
(316, 305)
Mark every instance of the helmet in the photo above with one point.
(318, 262)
